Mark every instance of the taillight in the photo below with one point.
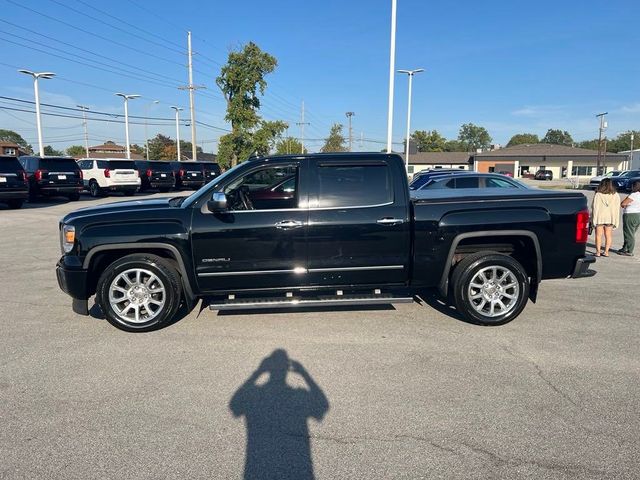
(39, 173)
(182, 172)
(148, 172)
(582, 226)
(107, 173)
(80, 174)
(138, 173)
(23, 176)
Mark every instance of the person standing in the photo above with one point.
(605, 215)
(630, 220)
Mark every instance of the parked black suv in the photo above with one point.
(53, 176)
(211, 171)
(14, 187)
(155, 174)
(189, 174)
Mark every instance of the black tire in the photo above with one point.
(471, 266)
(15, 204)
(74, 197)
(94, 189)
(166, 275)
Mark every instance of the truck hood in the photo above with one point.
(128, 206)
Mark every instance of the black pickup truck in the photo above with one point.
(324, 229)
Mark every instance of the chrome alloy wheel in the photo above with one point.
(494, 291)
(137, 295)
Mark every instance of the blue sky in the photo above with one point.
(510, 66)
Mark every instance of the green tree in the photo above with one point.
(623, 142)
(523, 139)
(52, 152)
(289, 145)
(558, 137)
(77, 151)
(335, 142)
(429, 141)
(454, 146)
(240, 81)
(473, 137)
(264, 139)
(588, 144)
(14, 137)
(157, 147)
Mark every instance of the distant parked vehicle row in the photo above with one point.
(543, 175)
(102, 176)
(595, 181)
(472, 180)
(625, 181)
(52, 176)
(425, 176)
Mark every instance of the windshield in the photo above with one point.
(160, 166)
(10, 165)
(59, 164)
(209, 186)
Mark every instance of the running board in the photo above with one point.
(329, 301)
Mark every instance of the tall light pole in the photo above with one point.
(630, 164)
(36, 76)
(146, 135)
(410, 74)
(349, 115)
(392, 67)
(84, 125)
(178, 109)
(126, 119)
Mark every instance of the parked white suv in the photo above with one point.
(109, 175)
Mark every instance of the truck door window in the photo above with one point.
(271, 188)
(354, 185)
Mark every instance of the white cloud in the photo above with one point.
(633, 108)
(538, 110)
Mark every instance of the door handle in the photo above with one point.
(389, 221)
(288, 224)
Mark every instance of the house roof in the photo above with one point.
(108, 146)
(538, 150)
(114, 155)
(438, 158)
(9, 144)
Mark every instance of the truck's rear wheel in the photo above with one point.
(139, 292)
(490, 288)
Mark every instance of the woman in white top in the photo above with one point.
(630, 220)
(605, 215)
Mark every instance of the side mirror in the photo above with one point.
(218, 203)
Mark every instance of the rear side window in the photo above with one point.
(467, 182)
(59, 164)
(10, 165)
(102, 164)
(499, 183)
(419, 181)
(353, 185)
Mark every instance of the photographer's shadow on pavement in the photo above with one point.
(276, 414)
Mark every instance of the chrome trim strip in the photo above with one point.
(356, 269)
(252, 272)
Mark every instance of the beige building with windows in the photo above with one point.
(433, 160)
(564, 162)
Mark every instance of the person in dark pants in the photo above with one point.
(630, 220)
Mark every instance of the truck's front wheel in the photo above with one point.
(139, 292)
(490, 288)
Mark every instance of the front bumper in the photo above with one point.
(11, 194)
(72, 278)
(581, 270)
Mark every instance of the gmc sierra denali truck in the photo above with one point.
(323, 229)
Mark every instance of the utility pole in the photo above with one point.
(630, 164)
(302, 123)
(392, 67)
(361, 140)
(603, 125)
(349, 115)
(410, 74)
(191, 87)
(84, 125)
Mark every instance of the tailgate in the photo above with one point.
(124, 176)
(11, 181)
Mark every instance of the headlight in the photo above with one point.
(68, 238)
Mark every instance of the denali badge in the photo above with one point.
(214, 260)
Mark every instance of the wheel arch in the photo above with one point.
(506, 236)
(102, 255)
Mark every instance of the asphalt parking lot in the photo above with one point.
(404, 392)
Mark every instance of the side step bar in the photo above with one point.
(328, 301)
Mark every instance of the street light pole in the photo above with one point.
(392, 67)
(177, 109)
(630, 164)
(603, 125)
(146, 135)
(410, 74)
(84, 125)
(36, 76)
(349, 115)
(126, 119)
